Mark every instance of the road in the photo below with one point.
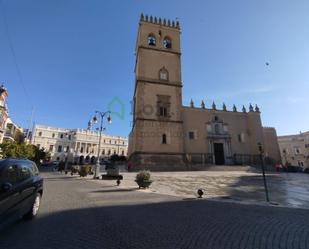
(80, 213)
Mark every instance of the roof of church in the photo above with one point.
(159, 21)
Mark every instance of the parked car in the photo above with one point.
(50, 165)
(21, 189)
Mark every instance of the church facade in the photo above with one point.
(169, 136)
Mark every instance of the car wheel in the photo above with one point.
(35, 207)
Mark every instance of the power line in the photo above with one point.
(6, 26)
(19, 75)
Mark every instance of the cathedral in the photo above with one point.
(168, 136)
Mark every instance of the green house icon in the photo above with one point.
(116, 107)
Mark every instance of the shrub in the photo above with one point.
(143, 175)
(84, 170)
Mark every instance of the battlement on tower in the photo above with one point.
(162, 22)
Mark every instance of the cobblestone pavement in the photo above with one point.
(79, 213)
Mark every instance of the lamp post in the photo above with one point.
(95, 120)
(263, 170)
(69, 150)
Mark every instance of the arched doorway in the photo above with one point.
(81, 160)
(92, 160)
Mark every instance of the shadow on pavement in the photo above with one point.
(114, 190)
(281, 189)
(181, 224)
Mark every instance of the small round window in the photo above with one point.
(167, 43)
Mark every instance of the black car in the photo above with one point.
(21, 189)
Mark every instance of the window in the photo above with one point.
(40, 134)
(151, 40)
(163, 111)
(191, 135)
(163, 106)
(10, 174)
(51, 148)
(82, 150)
(35, 170)
(109, 152)
(239, 138)
(103, 152)
(296, 150)
(163, 74)
(53, 135)
(69, 137)
(59, 148)
(68, 148)
(25, 172)
(164, 139)
(122, 153)
(61, 135)
(167, 43)
(110, 141)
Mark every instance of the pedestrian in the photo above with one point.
(129, 165)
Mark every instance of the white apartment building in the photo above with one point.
(294, 149)
(78, 145)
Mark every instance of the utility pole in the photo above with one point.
(263, 170)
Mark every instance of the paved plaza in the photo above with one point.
(242, 184)
(84, 213)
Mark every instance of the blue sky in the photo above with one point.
(73, 57)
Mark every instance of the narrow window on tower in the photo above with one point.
(163, 106)
(151, 40)
(163, 111)
(191, 135)
(167, 43)
(163, 74)
(164, 139)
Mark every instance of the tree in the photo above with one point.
(40, 155)
(12, 149)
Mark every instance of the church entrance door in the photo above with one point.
(219, 153)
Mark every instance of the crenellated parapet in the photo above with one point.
(213, 107)
(162, 22)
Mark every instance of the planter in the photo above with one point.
(143, 184)
(112, 172)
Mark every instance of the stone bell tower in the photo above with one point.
(156, 139)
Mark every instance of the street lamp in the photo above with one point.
(69, 150)
(263, 170)
(94, 120)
